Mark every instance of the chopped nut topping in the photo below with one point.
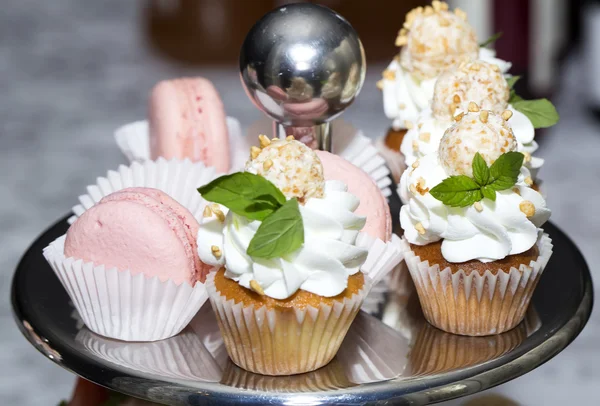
(401, 40)
(459, 117)
(456, 99)
(389, 74)
(415, 145)
(408, 124)
(473, 107)
(420, 125)
(290, 138)
(379, 84)
(526, 156)
(254, 151)
(420, 229)
(527, 207)
(460, 14)
(267, 164)
(478, 206)
(517, 191)
(415, 164)
(425, 137)
(483, 116)
(256, 287)
(507, 114)
(263, 140)
(218, 212)
(401, 106)
(421, 186)
(216, 251)
(207, 212)
(496, 68)
(412, 189)
(529, 181)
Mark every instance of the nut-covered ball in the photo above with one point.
(477, 131)
(477, 81)
(290, 165)
(435, 39)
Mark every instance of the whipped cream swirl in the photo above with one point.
(321, 266)
(500, 229)
(405, 96)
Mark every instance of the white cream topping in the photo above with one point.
(405, 96)
(424, 138)
(500, 229)
(321, 266)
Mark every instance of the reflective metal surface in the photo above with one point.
(302, 64)
(402, 361)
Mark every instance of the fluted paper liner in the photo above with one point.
(133, 139)
(472, 303)
(179, 179)
(115, 303)
(394, 159)
(276, 342)
(348, 142)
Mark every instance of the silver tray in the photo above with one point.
(403, 360)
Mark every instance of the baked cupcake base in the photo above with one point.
(389, 148)
(476, 302)
(283, 337)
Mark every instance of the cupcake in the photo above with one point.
(471, 220)
(432, 40)
(459, 90)
(293, 268)
(129, 261)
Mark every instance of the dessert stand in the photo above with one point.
(409, 362)
(391, 355)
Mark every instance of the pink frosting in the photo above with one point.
(187, 120)
(140, 229)
(373, 204)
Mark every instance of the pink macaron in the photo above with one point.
(373, 204)
(142, 230)
(187, 120)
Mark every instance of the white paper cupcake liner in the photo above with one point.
(394, 159)
(383, 257)
(114, 303)
(474, 303)
(348, 142)
(133, 139)
(117, 304)
(180, 357)
(179, 179)
(279, 342)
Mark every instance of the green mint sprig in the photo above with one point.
(463, 191)
(491, 39)
(254, 197)
(541, 112)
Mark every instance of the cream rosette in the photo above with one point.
(114, 302)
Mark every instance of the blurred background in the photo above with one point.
(71, 72)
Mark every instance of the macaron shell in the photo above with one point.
(129, 236)
(373, 204)
(179, 218)
(187, 120)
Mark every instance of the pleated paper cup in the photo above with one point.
(283, 342)
(349, 142)
(133, 139)
(394, 159)
(476, 304)
(179, 179)
(116, 303)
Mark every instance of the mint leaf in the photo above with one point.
(491, 39)
(481, 172)
(279, 234)
(244, 193)
(505, 171)
(489, 193)
(457, 191)
(541, 112)
(512, 80)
